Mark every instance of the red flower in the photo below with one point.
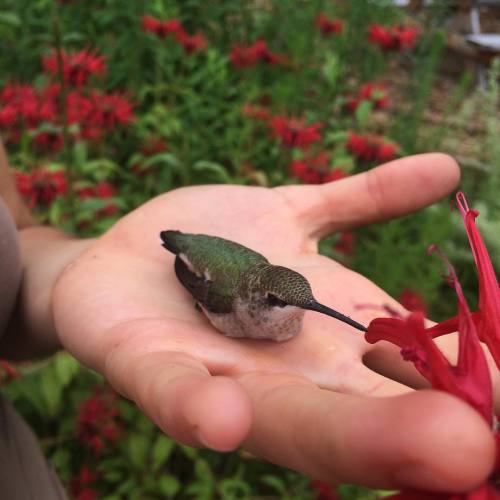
(333, 175)
(191, 43)
(8, 117)
(78, 108)
(242, 56)
(150, 24)
(324, 491)
(393, 37)
(412, 301)
(371, 91)
(103, 190)
(489, 292)
(88, 494)
(153, 146)
(405, 37)
(245, 56)
(77, 68)
(375, 92)
(20, 100)
(41, 187)
(328, 26)
(106, 113)
(386, 152)
(48, 141)
(256, 112)
(469, 379)
(160, 28)
(346, 243)
(293, 133)
(370, 147)
(9, 371)
(487, 318)
(378, 35)
(315, 170)
(79, 485)
(97, 413)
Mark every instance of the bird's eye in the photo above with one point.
(273, 301)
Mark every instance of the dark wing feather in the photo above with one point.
(202, 290)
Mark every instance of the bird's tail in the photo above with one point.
(169, 239)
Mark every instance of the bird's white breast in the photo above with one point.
(250, 321)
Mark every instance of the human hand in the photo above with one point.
(309, 403)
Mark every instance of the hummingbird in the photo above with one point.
(240, 292)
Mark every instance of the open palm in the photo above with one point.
(120, 309)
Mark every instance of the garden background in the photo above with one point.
(107, 103)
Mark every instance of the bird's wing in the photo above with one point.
(222, 259)
(214, 298)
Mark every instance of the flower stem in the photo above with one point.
(63, 115)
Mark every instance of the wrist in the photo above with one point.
(45, 253)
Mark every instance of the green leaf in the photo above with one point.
(113, 476)
(232, 488)
(51, 389)
(137, 449)
(203, 471)
(274, 482)
(336, 137)
(190, 453)
(66, 368)
(161, 451)
(331, 70)
(218, 171)
(363, 113)
(169, 485)
(10, 19)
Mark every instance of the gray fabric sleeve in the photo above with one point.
(25, 474)
(10, 266)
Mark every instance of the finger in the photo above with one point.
(182, 398)
(425, 440)
(391, 190)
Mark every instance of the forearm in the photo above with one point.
(45, 253)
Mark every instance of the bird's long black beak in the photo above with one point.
(316, 306)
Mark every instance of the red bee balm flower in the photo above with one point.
(48, 141)
(412, 301)
(41, 187)
(389, 38)
(107, 112)
(80, 483)
(371, 91)
(370, 147)
(260, 113)
(7, 371)
(293, 133)
(77, 68)
(346, 243)
(324, 491)
(245, 56)
(315, 170)
(191, 43)
(97, 422)
(160, 28)
(327, 26)
(469, 379)
(104, 190)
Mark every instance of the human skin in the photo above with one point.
(310, 403)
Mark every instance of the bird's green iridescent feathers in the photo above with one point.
(210, 267)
